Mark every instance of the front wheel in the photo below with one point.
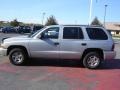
(17, 56)
(92, 60)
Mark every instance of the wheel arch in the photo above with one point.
(98, 50)
(17, 46)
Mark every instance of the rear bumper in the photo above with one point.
(108, 55)
(3, 52)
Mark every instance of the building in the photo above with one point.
(113, 28)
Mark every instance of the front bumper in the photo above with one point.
(3, 52)
(109, 55)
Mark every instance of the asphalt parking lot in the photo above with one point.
(59, 74)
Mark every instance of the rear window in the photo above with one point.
(96, 34)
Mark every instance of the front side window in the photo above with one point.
(96, 34)
(51, 33)
(72, 33)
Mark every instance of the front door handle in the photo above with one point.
(84, 44)
(56, 43)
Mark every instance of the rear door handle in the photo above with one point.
(84, 44)
(56, 43)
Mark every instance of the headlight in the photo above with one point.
(2, 46)
(3, 40)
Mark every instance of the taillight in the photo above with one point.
(113, 47)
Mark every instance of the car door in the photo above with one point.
(71, 43)
(47, 46)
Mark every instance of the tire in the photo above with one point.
(17, 57)
(92, 60)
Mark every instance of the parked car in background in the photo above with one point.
(8, 30)
(36, 28)
(1, 29)
(23, 29)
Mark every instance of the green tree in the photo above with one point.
(4, 23)
(51, 21)
(96, 22)
(14, 23)
(1, 23)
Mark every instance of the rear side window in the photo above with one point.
(96, 34)
(72, 33)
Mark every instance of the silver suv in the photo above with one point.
(90, 44)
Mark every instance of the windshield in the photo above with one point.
(34, 33)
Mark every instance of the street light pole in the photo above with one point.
(43, 16)
(105, 14)
(90, 15)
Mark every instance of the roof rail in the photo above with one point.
(96, 26)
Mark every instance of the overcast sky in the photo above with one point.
(65, 11)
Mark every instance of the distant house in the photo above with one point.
(113, 28)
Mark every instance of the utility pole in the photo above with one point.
(43, 16)
(90, 14)
(105, 14)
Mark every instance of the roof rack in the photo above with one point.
(74, 25)
(96, 26)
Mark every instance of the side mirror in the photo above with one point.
(42, 36)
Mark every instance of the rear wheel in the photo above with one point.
(92, 60)
(17, 56)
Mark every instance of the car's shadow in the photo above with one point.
(54, 63)
(108, 64)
